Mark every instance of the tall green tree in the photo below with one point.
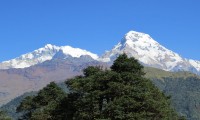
(41, 106)
(121, 93)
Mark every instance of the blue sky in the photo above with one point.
(97, 25)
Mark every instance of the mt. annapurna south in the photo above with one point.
(134, 44)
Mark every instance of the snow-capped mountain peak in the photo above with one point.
(43, 54)
(134, 38)
(148, 51)
(50, 46)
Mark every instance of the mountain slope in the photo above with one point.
(44, 54)
(15, 82)
(151, 53)
(182, 87)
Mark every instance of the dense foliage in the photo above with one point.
(121, 93)
(10, 108)
(41, 106)
(185, 94)
(3, 116)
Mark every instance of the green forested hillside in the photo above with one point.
(183, 87)
(10, 108)
(185, 95)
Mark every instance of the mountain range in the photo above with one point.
(134, 44)
(44, 54)
(34, 70)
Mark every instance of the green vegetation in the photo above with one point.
(122, 93)
(154, 73)
(185, 95)
(10, 108)
(41, 106)
(183, 87)
(3, 116)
